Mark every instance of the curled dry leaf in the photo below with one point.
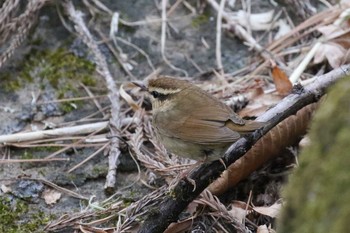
(127, 97)
(282, 83)
(285, 134)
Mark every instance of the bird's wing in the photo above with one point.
(205, 125)
(202, 132)
(212, 122)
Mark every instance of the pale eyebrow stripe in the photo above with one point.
(164, 91)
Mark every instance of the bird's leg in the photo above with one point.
(185, 175)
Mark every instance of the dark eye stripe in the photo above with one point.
(160, 96)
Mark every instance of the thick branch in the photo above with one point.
(172, 205)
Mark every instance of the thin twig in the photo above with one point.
(67, 131)
(139, 50)
(218, 36)
(22, 145)
(55, 186)
(43, 160)
(71, 99)
(89, 157)
(102, 69)
(91, 95)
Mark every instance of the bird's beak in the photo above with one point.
(140, 85)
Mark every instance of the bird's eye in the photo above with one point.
(155, 94)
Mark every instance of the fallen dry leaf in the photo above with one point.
(179, 227)
(286, 133)
(335, 49)
(332, 52)
(5, 189)
(262, 229)
(265, 229)
(257, 22)
(259, 103)
(282, 83)
(331, 31)
(51, 196)
(271, 211)
(238, 213)
(283, 29)
(239, 210)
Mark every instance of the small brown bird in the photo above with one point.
(192, 123)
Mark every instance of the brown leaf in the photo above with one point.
(285, 134)
(332, 52)
(282, 83)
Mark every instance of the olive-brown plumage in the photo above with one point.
(192, 123)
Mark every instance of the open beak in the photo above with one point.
(140, 85)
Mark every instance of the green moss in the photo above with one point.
(71, 177)
(59, 68)
(318, 193)
(9, 84)
(12, 217)
(43, 149)
(27, 154)
(37, 152)
(99, 170)
(200, 20)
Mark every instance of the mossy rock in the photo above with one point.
(13, 213)
(317, 196)
(52, 70)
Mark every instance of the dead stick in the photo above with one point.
(102, 69)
